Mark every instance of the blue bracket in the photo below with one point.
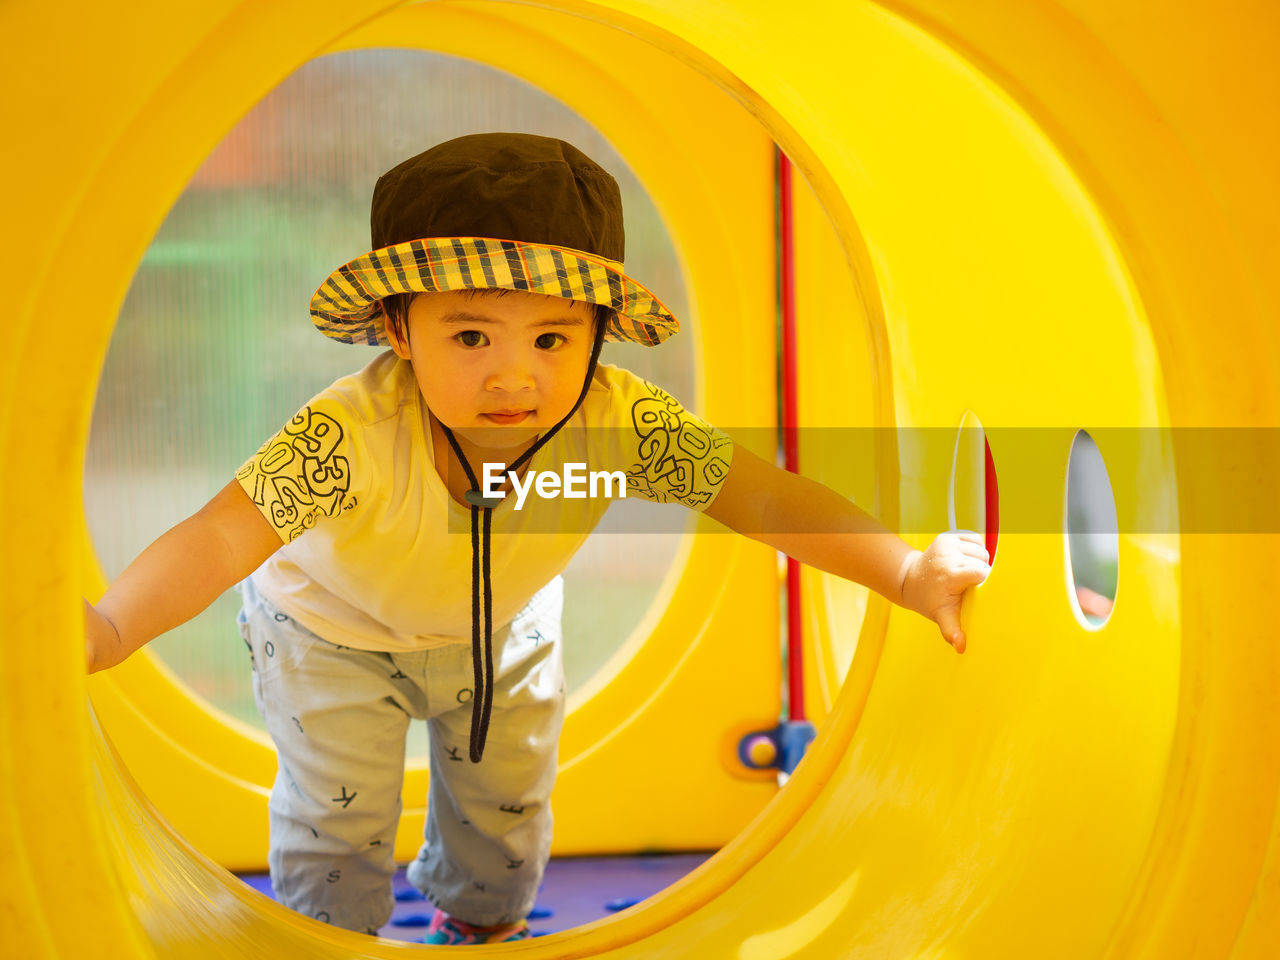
(781, 748)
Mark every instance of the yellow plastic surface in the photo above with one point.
(1056, 215)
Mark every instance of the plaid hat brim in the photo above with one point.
(348, 305)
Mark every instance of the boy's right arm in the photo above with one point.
(178, 576)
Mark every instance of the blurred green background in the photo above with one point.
(214, 348)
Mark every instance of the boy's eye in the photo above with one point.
(549, 341)
(472, 338)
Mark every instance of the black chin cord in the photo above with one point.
(482, 650)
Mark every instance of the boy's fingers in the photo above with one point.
(949, 624)
(969, 573)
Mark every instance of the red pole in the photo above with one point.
(790, 420)
(991, 498)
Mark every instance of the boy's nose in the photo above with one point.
(510, 376)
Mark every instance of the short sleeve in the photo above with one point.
(675, 456)
(304, 472)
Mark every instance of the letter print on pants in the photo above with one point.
(339, 725)
(339, 717)
(488, 832)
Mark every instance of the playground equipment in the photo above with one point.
(1022, 192)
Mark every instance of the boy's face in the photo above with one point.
(497, 370)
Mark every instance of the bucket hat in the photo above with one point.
(493, 210)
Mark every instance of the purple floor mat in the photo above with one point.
(575, 890)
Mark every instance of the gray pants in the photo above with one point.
(339, 717)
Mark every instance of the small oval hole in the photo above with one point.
(1090, 531)
(973, 500)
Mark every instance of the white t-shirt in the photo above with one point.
(385, 562)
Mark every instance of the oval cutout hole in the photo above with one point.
(973, 500)
(1092, 542)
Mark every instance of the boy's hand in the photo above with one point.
(178, 576)
(102, 646)
(935, 581)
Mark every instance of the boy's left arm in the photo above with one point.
(817, 526)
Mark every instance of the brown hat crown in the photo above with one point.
(505, 186)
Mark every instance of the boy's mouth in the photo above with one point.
(507, 418)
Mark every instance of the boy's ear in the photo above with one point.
(396, 332)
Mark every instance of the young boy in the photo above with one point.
(495, 275)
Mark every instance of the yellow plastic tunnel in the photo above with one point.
(1041, 217)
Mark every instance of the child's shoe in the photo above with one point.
(446, 929)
